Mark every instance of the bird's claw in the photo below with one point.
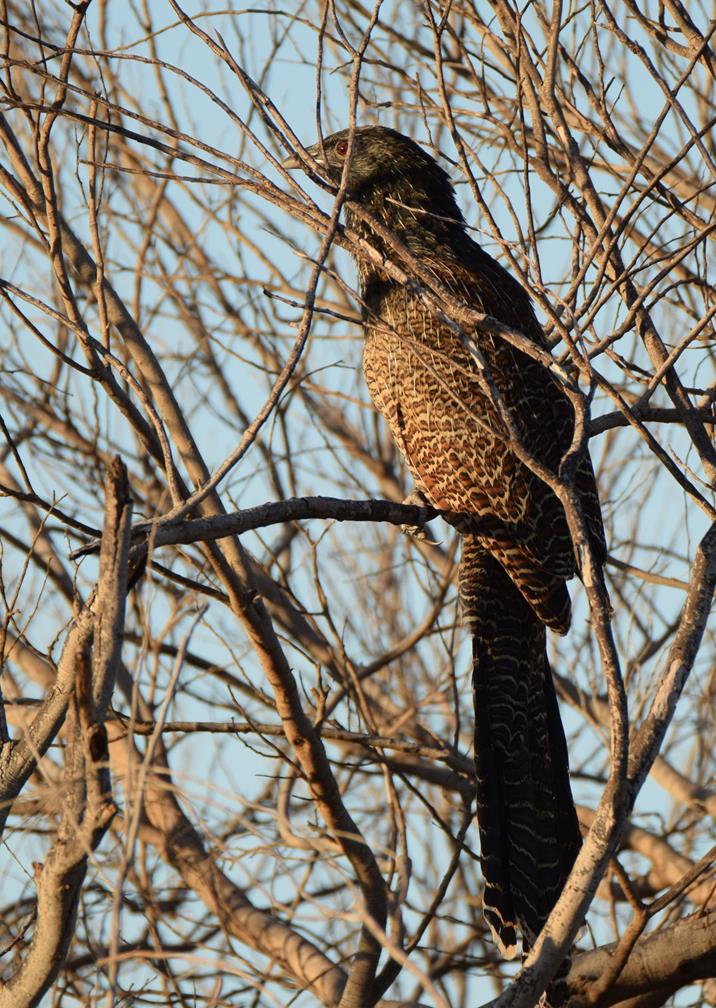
(415, 532)
(416, 498)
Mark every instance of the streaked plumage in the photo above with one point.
(424, 381)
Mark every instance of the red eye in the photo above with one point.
(342, 148)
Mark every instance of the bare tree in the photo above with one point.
(235, 759)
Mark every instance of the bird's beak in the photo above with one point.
(294, 161)
(291, 162)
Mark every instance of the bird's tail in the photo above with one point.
(528, 824)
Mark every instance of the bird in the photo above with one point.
(516, 552)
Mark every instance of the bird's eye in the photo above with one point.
(342, 148)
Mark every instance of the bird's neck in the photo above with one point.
(421, 220)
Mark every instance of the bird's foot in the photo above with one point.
(416, 498)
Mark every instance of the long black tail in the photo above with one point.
(528, 825)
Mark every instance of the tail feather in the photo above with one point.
(528, 825)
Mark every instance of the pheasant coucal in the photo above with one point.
(517, 552)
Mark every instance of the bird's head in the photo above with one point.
(384, 164)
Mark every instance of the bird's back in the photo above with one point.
(424, 379)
